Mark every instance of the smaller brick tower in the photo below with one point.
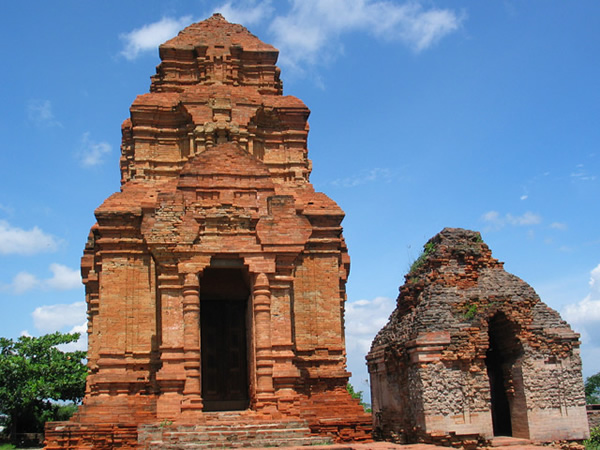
(471, 352)
(215, 279)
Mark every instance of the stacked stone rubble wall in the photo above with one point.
(455, 302)
(593, 414)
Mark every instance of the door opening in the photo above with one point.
(223, 302)
(504, 350)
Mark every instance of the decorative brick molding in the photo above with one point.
(215, 279)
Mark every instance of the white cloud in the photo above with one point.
(15, 240)
(40, 113)
(363, 319)
(63, 278)
(309, 32)
(7, 209)
(496, 221)
(581, 174)
(64, 318)
(584, 316)
(92, 153)
(149, 37)
(491, 217)
(50, 318)
(559, 226)
(417, 28)
(588, 309)
(527, 218)
(366, 176)
(23, 282)
(248, 13)
(524, 197)
(81, 343)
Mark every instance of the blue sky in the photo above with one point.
(482, 115)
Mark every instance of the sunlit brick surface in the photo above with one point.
(215, 205)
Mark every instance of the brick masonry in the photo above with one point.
(466, 338)
(216, 202)
(593, 412)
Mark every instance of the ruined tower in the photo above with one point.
(471, 352)
(215, 279)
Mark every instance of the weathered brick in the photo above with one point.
(215, 205)
(461, 322)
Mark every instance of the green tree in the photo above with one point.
(592, 389)
(35, 376)
(358, 395)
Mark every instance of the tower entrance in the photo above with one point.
(224, 297)
(504, 351)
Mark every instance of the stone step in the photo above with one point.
(508, 441)
(231, 435)
(297, 427)
(245, 430)
(239, 426)
(248, 434)
(259, 443)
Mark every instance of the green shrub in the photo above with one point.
(470, 312)
(593, 443)
(428, 249)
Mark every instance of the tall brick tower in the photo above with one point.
(215, 279)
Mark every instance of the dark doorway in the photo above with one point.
(501, 355)
(223, 299)
(500, 407)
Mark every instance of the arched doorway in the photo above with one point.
(224, 297)
(503, 353)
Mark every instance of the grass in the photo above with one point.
(428, 249)
(470, 312)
